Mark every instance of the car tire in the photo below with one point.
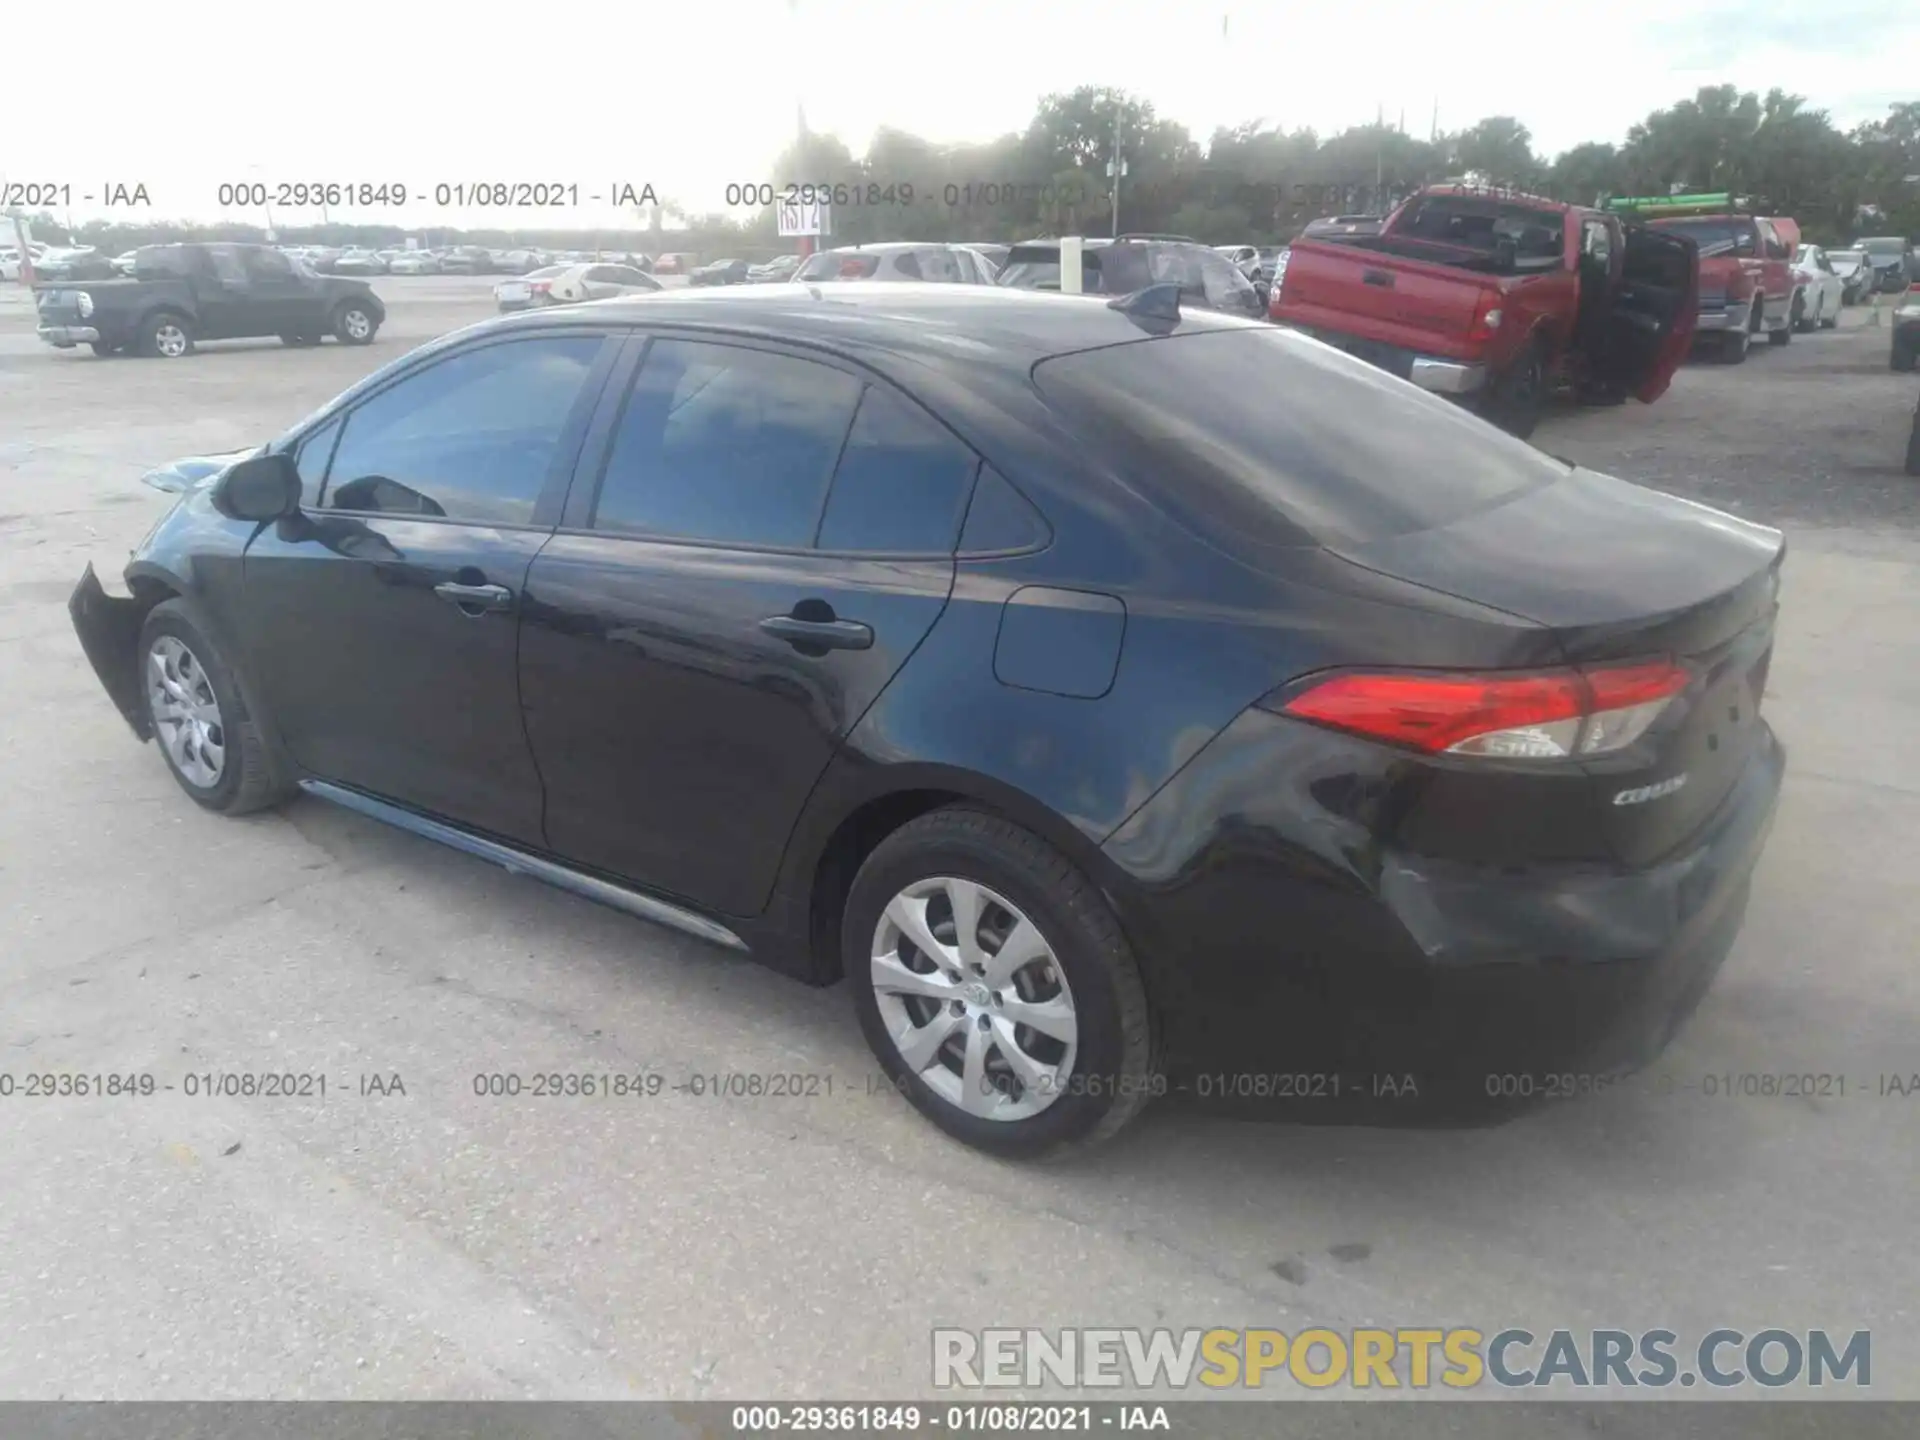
(1798, 318)
(102, 348)
(211, 741)
(1734, 345)
(1097, 1080)
(1514, 399)
(354, 324)
(166, 334)
(1903, 357)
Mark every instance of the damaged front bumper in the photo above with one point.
(109, 631)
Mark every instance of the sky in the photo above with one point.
(595, 95)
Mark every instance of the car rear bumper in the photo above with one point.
(1721, 318)
(109, 631)
(1265, 960)
(1438, 373)
(65, 337)
(1447, 377)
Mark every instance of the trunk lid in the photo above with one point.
(1624, 573)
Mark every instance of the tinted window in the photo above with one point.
(726, 444)
(268, 265)
(624, 275)
(471, 437)
(311, 461)
(1257, 438)
(1000, 518)
(1713, 236)
(158, 260)
(227, 264)
(901, 483)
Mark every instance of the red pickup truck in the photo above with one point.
(1746, 277)
(1493, 298)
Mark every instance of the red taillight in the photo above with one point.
(1486, 318)
(541, 287)
(1546, 715)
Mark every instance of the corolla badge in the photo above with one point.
(1645, 793)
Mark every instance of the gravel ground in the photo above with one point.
(1810, 434)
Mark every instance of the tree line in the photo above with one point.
(1254, 183)
(1251, 183)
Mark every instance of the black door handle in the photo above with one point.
(475, 599)
(819, 634)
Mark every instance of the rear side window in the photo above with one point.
(1257, 440)
(901, 483)
(726, 445)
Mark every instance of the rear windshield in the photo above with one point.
(1714, 237)
(1110, 270)
(1883, 245)
(1485, 225)
(839, 265)
(1257, 439)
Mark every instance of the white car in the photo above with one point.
(571, 285)
(1823, 291)
(899, 260)
(1855, 270)
(413, 262)
(10, 258)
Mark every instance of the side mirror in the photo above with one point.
(261, 489)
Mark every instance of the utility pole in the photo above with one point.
(1379, 152)
(1116, 167)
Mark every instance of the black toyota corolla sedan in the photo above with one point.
(1118, 700)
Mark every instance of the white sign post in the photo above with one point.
(797, 219)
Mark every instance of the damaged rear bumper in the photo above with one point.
(109, 631)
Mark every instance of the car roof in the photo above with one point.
(910, 320)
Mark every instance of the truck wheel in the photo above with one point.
(1733, 346)
(102, 348)
(168, 335)
(1782, 336)
(354, 324)
(1513, 400)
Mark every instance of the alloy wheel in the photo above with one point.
(356, 324)
(974, 999)
(186, 713)
(170, 340)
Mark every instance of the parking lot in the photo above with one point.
(417, 1239)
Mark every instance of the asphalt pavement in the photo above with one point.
(409, 1236)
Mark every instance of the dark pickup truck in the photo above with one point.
(181, 294)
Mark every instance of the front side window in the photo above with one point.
(726, 445)
(471, 437)
(311, 461)
(268, 265)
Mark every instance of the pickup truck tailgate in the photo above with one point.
(1379, 296)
